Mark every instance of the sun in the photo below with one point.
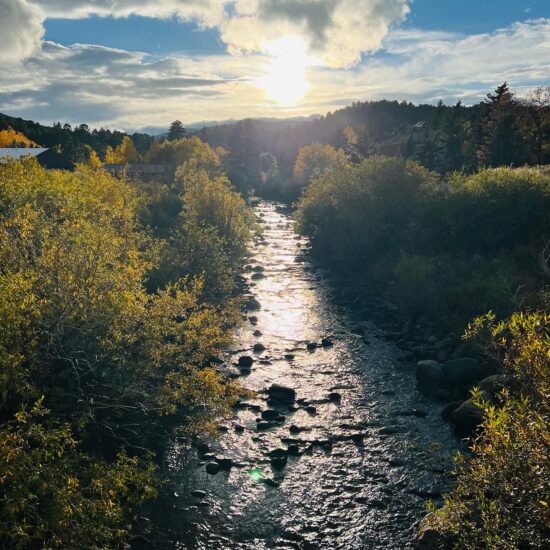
(285, 81)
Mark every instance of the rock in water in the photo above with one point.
(283, 394)
(468, 416)
(246, 361)
(212, 468)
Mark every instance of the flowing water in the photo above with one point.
(367, 462)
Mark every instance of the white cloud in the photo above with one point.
(338, 31)
(20, 28)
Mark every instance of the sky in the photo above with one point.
(139, 64)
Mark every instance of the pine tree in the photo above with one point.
(176, 131)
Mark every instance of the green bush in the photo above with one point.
(501, 496)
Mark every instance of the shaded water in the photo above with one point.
(367, 463)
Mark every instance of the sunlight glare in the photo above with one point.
(286, 79)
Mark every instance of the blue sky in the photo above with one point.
(136, 64)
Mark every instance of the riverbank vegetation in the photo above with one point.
(109, 325)
(450, 248)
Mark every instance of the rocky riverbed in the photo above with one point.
(337, 449)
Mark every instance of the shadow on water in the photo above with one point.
(363, 449)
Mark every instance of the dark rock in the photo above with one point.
(293, 450)
(326, 342)
(334, 397)
(293, 429)
(278, 462)
(467, 417)
(246, 361)
(427, 538)
(496, 383)
(253, 319)
(264, 425)
(258, 269)
(357, 437)
(463, 371)
(429, 373)
(259, 347)
(278, 453)
(202, 448)
(311, 409)
(282, 394)
(257, 276)
(289, 356)
(257, 333)
(197, 493)
(311, 346)
(253, 305)
(203, 504)
(212, 468)
(269, 414)
(239, 428)
(448, 411)
(224, 462)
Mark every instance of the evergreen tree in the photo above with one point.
(176, 131)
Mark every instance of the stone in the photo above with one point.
(246, 361)
(279, 462)
(257, 333)
(495, 383)
(257, 276)
(289, 356)
(429, 373)
(427, 538)
(278, 453)
(239, 428)
(448, 411)
(311, 346)
(270, 414)
(258, 347)
(467, 417)
(252, 304)
(334, 397)
(463, 371)
(293, 429)
(203, 448)
(224, 462)
(326, 342)
(264, 425)
(293, 450)
(197, 493)
(281, 393)
(212, 468)
(311, 409)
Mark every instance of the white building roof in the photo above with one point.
(18, 152)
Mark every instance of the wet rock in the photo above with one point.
(282, 394)
(448, 411)
(429, 373)
(495, 383)
(293, 429)
(269, 482)
(269, 414)
(253, 319)
(264, 425)
(467, 417)
(257, 333)
(258, 269)
(334, 397)
(246, 361)
(289, 356)
(257, 276)
(463, 372)
(311, 409)
(278, 462)
(278, 453)
(427, 538)
(203, 504)
(203, 448)
(197, 493)
(239, 428)
(326, 342)
(252, 304)
(357, 437)
(222, 429)
(445, 343)
(212, 468)
(258, 347)
(311, 346)
(224, 463)
(293, 450)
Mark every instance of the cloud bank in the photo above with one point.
(338, 32)
(20, 28)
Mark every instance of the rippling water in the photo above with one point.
(367, 463)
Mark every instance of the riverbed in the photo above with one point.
(366, 449)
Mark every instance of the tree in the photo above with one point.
(502, 145)
(10, 138)
(176, 131)
(125, 152)
(538, 108)
(315, 159)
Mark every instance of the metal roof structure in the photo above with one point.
(18, 152)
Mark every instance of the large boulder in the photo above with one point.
(495, 383)
(468, 416)
(429, 374)
(282, 394)
(463, 372)
(428, 538)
